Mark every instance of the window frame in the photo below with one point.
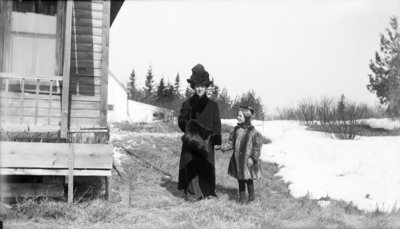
(5, 37)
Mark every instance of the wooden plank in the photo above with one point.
(85, 56)
(88, 80)
(83, 13)
(2, 28)
(86, 71)
(89, 90)
(27, 95)
(32, 112)
(50, 99)
(6, 97)
(54, 172)
(45, 107)
(29, 121)
(90, 47)
(10, 190)
(85, 105)
(52, 103)
(104, 83)
(22, 100)
(66, 71)
(94, 23)
(95, 6)
(86, 39)
(61, 7)
(71, 160)
(95, 98)
(7, 48)
(29, 77)
(85, 122)
(108, 187)
(55, 155)
(85, 114)
(36, 101)
(15, 127)
(86, 63)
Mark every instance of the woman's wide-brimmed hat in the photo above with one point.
(199, 76)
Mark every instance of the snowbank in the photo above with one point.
(365, 171)
(383, 123)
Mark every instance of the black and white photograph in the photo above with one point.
(200, 114)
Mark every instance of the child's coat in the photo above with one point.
(246, 143)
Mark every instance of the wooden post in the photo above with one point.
(71, 173)
(6, 20)
(21, 116)
(6, 100)
(37, 100)
(108, 187)
(66, 70)
(50, 99)
(104, 59)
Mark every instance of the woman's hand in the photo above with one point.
(218, 147)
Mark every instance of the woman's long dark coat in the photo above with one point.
(192, 164)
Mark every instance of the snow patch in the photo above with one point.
(365, 171)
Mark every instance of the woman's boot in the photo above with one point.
(242, 191)
(250, 189)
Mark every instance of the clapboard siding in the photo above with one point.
(86, 63)
(87, 30)
(88, 13)
(94, 23)
(95, 6)
(86, 47)
(87, 80)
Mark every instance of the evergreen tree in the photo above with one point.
(385, 77)
(169, 93)
(161, 90)
(189, 92)
(132, 91)
(177, 86)
(149, 84)
(224, 104)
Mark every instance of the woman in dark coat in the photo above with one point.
(199, 119)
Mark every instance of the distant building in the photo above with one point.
(121, 109)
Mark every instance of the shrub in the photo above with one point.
(347, 118)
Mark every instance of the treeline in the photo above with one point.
(168, 95)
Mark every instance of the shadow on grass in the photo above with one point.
(172, 187)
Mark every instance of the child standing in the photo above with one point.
(246, 143)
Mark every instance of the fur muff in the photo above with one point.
(197, 138)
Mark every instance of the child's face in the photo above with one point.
(240, 117)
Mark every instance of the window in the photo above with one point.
(32, 38)
(110, 107)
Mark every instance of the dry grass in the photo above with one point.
(156, 202)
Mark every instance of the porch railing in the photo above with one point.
(27, 88)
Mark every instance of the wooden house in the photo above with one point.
(53, 91)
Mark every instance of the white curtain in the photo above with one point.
(33, 44)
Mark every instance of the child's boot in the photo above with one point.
(242, 198)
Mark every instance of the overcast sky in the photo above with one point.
(283, 50)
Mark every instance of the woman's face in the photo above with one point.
(200, 90)
(240, 117)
